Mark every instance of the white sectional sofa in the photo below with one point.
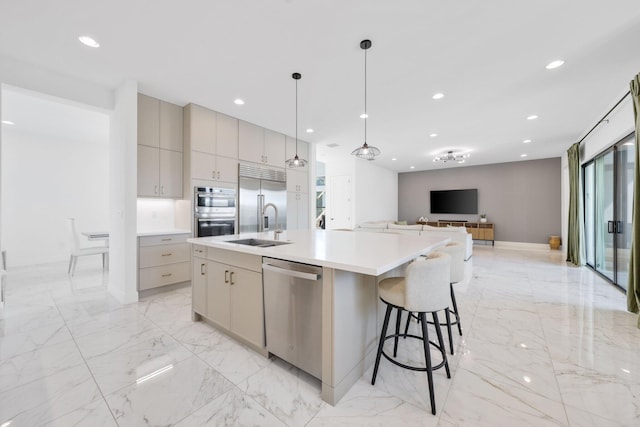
(456, 234)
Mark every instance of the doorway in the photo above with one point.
(608, 204)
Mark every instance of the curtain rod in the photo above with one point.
(605, 116)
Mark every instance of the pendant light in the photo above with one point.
(366, 151)
(296, 162)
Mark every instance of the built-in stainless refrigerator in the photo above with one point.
(259, 186)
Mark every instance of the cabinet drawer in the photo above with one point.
(163, 239)
(153, 277)
(199, 251)
(163, 254)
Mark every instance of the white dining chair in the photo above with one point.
(78, 251)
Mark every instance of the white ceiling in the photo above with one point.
(487, 57)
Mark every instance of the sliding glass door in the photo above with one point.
(608, 201)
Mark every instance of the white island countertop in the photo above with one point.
(359, 252)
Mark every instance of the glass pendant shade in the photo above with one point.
(366, 151)
(296, 162)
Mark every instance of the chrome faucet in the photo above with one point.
(276, 232)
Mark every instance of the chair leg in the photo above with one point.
(70, 263)
(395, 341)
(448, 316)
(441, 341)
(104, 261)
(455, 309)
(427, 358)
(72, 266)
(383, 334)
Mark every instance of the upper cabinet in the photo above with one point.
(303, 151)
(160, 144)
(200, 128)
(260, 145)
(226, 136)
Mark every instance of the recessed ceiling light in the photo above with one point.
(310, 130)
(523, 155)
(394, 159)
(88, 41)
(526, 141)
(523, 345)
(7, 122)
(412, 167)
(526, 379)
(364, 116)
(238, 101)
(555, 64)
(433, 135)
(626, 371)
(532, 117)
(438, 95)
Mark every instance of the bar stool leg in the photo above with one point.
(448, 316)
(455, 310)
(383, 333)
(441, 341)
(427, 358)
(395, 341)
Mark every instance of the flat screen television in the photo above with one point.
(454, 201)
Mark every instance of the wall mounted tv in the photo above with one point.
(454, 201)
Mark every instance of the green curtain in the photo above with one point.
(573, 232)
(633, 289)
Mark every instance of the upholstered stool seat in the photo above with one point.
(424, 289)
(456, 251)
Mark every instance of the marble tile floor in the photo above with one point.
(544, 344)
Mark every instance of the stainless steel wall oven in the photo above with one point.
(214, 211)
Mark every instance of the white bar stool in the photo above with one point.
(424, 289)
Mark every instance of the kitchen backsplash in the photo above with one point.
(156, 214)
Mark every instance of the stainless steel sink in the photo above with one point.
(258, 242)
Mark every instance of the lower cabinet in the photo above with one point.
(163, 260)
(230, 295)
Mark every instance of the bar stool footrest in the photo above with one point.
(413, 368)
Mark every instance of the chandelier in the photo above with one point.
(450, 156)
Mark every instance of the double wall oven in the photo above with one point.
(214, 211)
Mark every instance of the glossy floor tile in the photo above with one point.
(544, 344)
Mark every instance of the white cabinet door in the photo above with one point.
(303, 151)
(170, 174)
(303, 211)
(227, 136)
(148, 121)
(170, 126)
(148, 171)
(274, 148)
(218, 293)
(202, 124)
(226, 169)
(199, 285)
(297, 180)
(247, 316)
(203, 166)
(250, 142)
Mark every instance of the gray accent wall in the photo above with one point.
(522, 198)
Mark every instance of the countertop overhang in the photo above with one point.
(359, 252)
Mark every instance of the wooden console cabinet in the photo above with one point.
(478, 230)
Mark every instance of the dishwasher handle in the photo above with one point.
(292, 273)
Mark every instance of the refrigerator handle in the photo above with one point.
(260, 215)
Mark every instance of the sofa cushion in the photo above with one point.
(416, 227)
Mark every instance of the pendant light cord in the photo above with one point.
(365, 96)
(296, 117)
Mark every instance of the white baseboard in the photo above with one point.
(525, 246)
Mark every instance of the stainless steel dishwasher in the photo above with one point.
(293, 313)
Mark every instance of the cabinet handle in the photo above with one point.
(226, 276)
(162, 189)
(166, 275)
(202, 270)
(218, 174)
(232, 278)
(213, 174)
(155, 189)
(169, 254)
(167, 240)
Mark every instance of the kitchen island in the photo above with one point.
(352, 264)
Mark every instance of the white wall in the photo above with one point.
(376, 192)
(46, 181)
(374, 188)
